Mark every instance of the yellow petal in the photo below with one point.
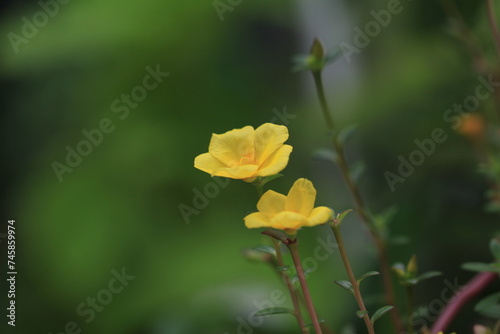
(276, 162)
(268, 138)
(238, 172)
(319, 215)
(287, 220)
(233, 146)
(271, 203)
(301, 197)
(256, 220)
(207, 163)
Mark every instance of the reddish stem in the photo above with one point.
(464, 295)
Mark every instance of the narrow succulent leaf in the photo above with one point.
(346, 133)
(342, 215)
(273, 310)
(428, 275)
(368, 274)
(480, 267)
(265, 249)
(311, 326)
(380, 312)
(326, 155)
(357, 171)
(489, 306)
(495, 248)
(345, 285)
(360, 314)
(307, 272)
(399, 269)
(399, 240)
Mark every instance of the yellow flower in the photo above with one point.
(289, 212)
(246, 153)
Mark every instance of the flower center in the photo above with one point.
(247, 159)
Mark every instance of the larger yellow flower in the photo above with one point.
(246, 153)
(289, 212)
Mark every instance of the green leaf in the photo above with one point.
(428, 275)
(283, 268)
(252, 254)
(410, 281)
(345, 285)
(380, 312)
(332, 56)
(399, 240)
(311, 326)
(265, 249)
(308, 271)
(481, 267)
(360, 314)
(489, 306)
(300, 62)
(346, 133)
(274, 310)
(400, 269)
(294, 280)
(495, 248)
(312, 61)
(368, 274)
(342, 215)
(325, 154)
(407, 280)
(357, 170)
(383, 219)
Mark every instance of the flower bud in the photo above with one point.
(412, 266)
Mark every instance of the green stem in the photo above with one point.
(352, 278)
(293, 294)
(360, 206)
(294, 251)
(260, 189)
(467, 37)
(322, 99)
(409, 301)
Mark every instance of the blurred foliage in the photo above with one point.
(120, 207)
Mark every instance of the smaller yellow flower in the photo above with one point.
(246, 153)
(289, 212)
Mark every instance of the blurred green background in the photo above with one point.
(119, 207)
